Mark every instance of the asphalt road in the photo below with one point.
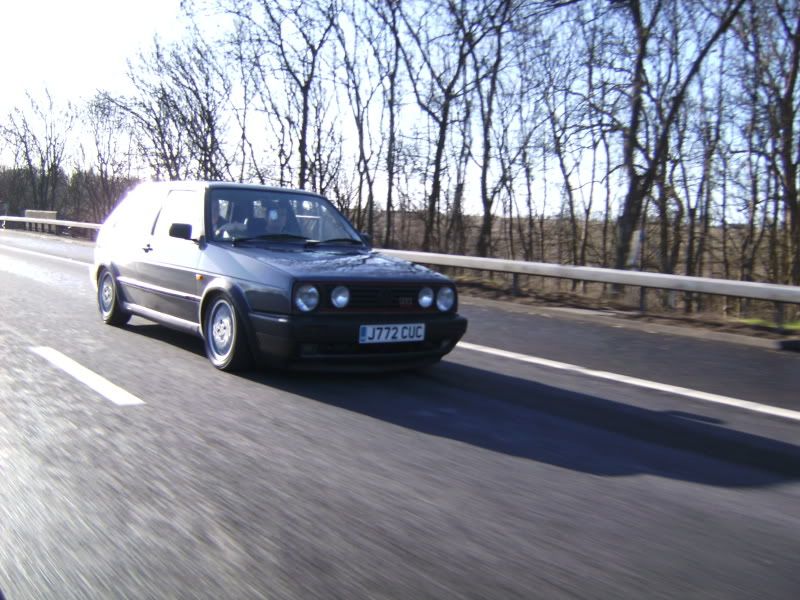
(483, 477)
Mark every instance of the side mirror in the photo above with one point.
(181, 231)
(366, 238)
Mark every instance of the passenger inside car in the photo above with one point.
(281, 219)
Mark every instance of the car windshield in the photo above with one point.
(254, 215)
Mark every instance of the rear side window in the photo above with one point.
(181, 206)
(135, 214)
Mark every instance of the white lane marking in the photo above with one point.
(73, 261)
(89, 378)
(643, 383)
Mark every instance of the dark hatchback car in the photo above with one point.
(270, 275)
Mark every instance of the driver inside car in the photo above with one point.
(277, 218)
(281, 219)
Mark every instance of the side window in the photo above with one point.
(180, 206)
(135, 214)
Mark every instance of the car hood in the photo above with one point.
(321, 264)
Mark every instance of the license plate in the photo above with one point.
(391, 334)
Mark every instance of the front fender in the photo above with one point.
(224, 286)
(94, 272)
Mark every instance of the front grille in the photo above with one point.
(373, 297)
(384, 298)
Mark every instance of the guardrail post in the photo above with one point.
(515, 289)
(780, 317)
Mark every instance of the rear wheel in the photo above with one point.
(225, 341)
(108, 300)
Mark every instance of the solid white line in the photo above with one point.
(89, 378)
(73, 261)
(643, 383)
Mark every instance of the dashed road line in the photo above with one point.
(642, 383)
(99, 384)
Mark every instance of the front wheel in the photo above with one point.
(223, 332)
(108, 300)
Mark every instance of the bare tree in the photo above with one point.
(236, 49)
(200, 94)
(488, 66)
(643, 160)
(774, 46)
(326, 159)
(386, 45)
(181, 109)
(443, 34)
(456, 237)
(561, 109)
(105, 169)
(38, 135)
(161, 139)
(15, 192)
(285, 40)
(361, 86)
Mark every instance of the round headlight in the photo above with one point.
(306, 298)
(445, 298)
(425, 297)
(340, 296)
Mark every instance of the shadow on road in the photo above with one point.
(538, 422)
(175, 338)
(530, 420)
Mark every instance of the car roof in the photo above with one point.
(195, 184)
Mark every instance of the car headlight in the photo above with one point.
(445, 298)
(425, 297)
(340, 296)
(306, 298)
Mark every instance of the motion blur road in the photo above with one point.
(491, 475)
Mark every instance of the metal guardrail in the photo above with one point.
(703, 285)
(57, 222)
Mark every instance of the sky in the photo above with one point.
(72, 48)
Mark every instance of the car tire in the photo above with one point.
(108, 300)
(224, 336)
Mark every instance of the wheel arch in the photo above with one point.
(115, 313)
(222, 286)
(98, 268)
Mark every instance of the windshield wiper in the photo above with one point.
(335, 241)
(270, 237)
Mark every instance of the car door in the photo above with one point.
(167, 270)
(124, 235)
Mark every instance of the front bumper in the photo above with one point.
(331, 341)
